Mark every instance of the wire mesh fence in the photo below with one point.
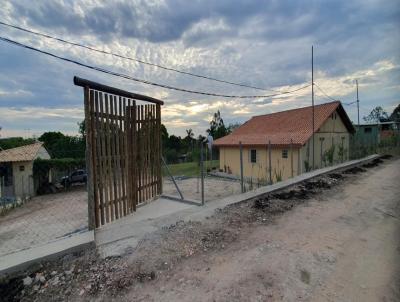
(35, 210)
(261, 167)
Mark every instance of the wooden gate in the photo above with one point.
(123, 151)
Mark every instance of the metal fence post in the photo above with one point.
(202, 173)
(291, 157)
(241, 167)
(269, 162)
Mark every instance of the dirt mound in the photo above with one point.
(374, 163)
(354, 170)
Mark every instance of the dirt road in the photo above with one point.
(343, 245)
(333, 238)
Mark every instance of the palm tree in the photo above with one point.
(190, 134)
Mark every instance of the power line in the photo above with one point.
(141, 80)
(328, 96)
(133, 59)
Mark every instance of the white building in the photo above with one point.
(16, 170)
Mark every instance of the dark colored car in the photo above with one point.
(77, 176)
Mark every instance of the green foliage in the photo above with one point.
(63, 146)
(44, 165)
(329, 155)
(342, 151)
(307, 166)
(378, 114)
(278, 175)
(13, 142)
(217, 127)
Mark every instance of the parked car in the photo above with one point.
(77, 176)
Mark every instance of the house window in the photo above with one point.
(22, 168)
(284, 153)
(368, 130)
(253, 155)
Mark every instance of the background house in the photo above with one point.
(16, 170)
(289, 133)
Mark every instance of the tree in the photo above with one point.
(13, 142)
(217, 127)
(189, 134)
(395, 116)
(378, 114)
(233, 127)
(82, 128)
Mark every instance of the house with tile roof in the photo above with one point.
(284, 139)
(16, 170)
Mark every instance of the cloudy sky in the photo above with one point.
(260, 43)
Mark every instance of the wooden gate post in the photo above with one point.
(89, 161)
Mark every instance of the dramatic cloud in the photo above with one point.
(259, 43)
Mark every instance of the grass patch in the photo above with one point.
(190, 169)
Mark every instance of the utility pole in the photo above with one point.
(312, 98)
(358, 107)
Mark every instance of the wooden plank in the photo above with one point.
(95, 146)
(140, 155)
(109, 208)
(103, 162)
(121, 156)
(127, 154)
(92, 139)
(159, 174)
(134, 156)
(125, 157)
(98, 160)
(113, 132)
(89, 161)
(146, 153)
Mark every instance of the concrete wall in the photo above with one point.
(23, 179)
(259, 171)
(332, 132)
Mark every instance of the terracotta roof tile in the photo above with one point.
(281, 127)
(23, 153)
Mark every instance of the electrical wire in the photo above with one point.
(141, 80)
(328, 96)
(133, 59)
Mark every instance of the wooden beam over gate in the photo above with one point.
(108, 89)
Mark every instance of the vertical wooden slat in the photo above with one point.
(146, 152)
(125, 157)
(104, 212)
(134, 155)
(140, 155)
(128, 158)
(113, 136)
(117, 158)
(159, 147)
(121, 157)
(98, 159)
(109, 208)
(89, 160)
(153, 153)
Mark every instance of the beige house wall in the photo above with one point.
(23, 179)
(23, 176)
(333, 131)
(259, 171)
